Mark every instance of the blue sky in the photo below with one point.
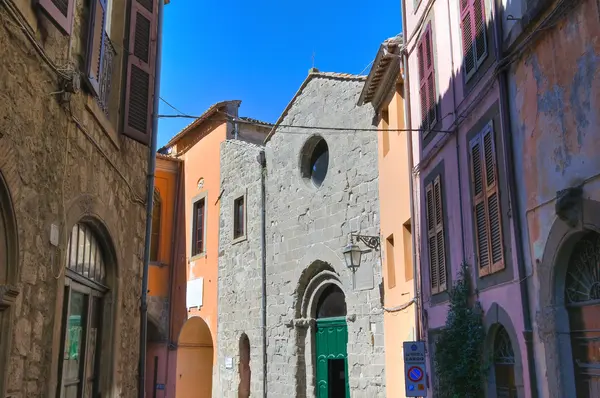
(260, 51)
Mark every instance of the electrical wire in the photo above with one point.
(172, 107)
(302, 127)
(15, 14)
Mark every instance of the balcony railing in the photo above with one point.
(107, 71)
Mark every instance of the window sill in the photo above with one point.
(238, 239)
(439, 298)
(93, 107)
(197, 257)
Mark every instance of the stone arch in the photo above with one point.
(313, 281)
(195, 356)
(552, 318)
(495, 319)
(328, 261)
(244, 370)
(9, 274)
(89, 210)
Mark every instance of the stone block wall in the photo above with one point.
(240, 279)
(307, 228)
(61, 165)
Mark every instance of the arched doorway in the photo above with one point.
(8, 275)
(504, 365)
(86, 320)
(331, 342)
(582, 299)
(194, 360)
(244, 367)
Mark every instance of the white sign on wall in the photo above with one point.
(195, 290)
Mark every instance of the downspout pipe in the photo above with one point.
(508, 158)
(174, 257)
(149, 207)
(262, 160)
(409, 143)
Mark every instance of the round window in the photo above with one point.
(315, 160)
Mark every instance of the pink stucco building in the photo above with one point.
(464, 179)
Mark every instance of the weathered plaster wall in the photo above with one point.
(556, 91)
(59, 171)
(240, 277)
(308, 225)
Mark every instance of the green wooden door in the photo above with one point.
(332, 358)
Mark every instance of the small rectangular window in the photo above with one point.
(198, 227)
(391, 267)
(385, 125)
(408, 263)
(238, 218)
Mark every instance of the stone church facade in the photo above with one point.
(316, 187)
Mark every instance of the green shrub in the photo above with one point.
(459, 364)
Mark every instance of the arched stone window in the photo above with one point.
(244, 367)
(582, 298)
(83, 309)
(156, 219)
(504, 365)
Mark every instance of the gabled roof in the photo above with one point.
(387, 55)
(313, 73)
(212, 110)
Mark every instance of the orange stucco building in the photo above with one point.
(185, 247)
(384, 91)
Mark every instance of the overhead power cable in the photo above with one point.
(301, 127)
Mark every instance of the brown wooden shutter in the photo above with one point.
(473, 34)
(435, 235)
(430, 72)
(139, 89)
(95, 48)
(60, 12)
(432, 240)
(480, 30)
(439, 233)
(422, 83)
(486, 203)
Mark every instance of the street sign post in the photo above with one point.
(415, 374)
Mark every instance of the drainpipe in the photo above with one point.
(149, 206)
(514, 204)
(174, 257)
(263, 249)
(407, 120)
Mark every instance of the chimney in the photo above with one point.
(313, 70)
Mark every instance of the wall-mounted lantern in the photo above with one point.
(353, 253)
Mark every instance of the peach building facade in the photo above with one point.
(183, 276)
(384, 91)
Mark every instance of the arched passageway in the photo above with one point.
(194, 360)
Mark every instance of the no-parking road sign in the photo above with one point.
(415, 378)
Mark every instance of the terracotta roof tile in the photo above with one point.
(207, 114)
(380, 66)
